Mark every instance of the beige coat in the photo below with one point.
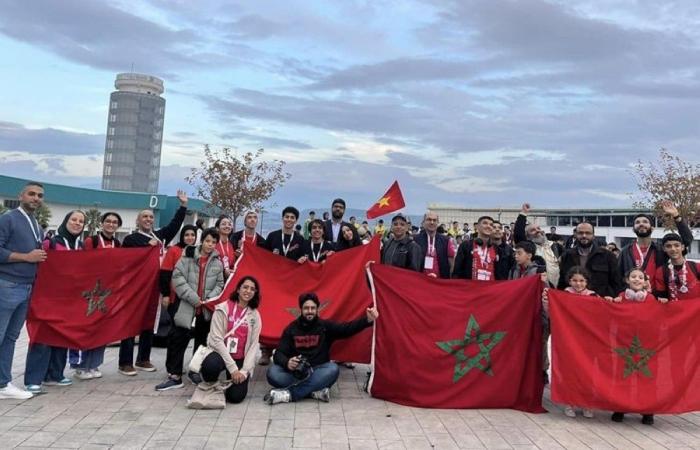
(219, 326)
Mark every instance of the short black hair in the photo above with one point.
(484, 217)
(646, 216)
(339, 201)
(111, 213)
(527, 247)
(213, 232)
(318, 222)
(255, 301)
(33, 183)
(291, 209)
(583, 223)
(380, 221)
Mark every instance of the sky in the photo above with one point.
(473, 103)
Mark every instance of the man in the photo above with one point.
(477, 259)
(400, 250)
(353, 221)
(144, 236)
(437, 250)
(380, 229)
(600, 263)
(308, 339)
(285, 241)
(326, 216)
(679, 279)
(552, 235)
(465, 228)
(454, 230)
(305, 231)
(644, 252)
(505, 252)
(248, 233)
(333, 226)
(20, 251)
(546, 249)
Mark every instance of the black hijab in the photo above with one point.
(63, 233)
(182, 244)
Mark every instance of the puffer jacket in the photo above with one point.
(185, 282)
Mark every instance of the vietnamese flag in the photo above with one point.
(457, 343)
(628, 357)
(89, 299)
(339, 282)
(391, 201)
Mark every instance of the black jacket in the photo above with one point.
(328, 229)
(602, 265)
(403, 253)
(441, 250)
(506, 261)
(313, 339)
(274, 243)
(626, 261)
(165, 234)
(236, 237)
(463, 262)
(307, 250)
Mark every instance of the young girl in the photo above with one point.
(577, 278)
(638, 288)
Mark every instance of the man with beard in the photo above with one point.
(437, 249)
(644, 252)
(302, 364)
(248, 233)
(477, 259)
(333, 226)
(285, 241)
(546, 249)
(505, 252)
(599, 261)
(400, 249)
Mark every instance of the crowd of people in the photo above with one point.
(226, 341)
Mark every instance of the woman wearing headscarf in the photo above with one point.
(45, 363)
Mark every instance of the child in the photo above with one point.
(678, 279)
(577, 278)
(637, 291)
(524, 266)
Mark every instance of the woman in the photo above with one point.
(349, 238)
(86, 363)
(192, 291)
(188, 237)
(316, 249)
(45, 363)
(225, 248)
(233, 339)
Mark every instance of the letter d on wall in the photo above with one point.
(154, 202)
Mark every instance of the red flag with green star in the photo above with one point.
(457, 343)
(628, 357)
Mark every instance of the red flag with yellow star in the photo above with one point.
(391, 201)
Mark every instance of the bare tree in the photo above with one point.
(235, 183)
(669, 178)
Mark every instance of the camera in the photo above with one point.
(304, 369)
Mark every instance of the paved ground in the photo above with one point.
(126, 412)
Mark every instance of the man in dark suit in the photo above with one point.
(331, 227)
(438, 252)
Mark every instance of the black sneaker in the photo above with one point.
(170, 383)
(194, 377)
(617, 417)
(648, 419)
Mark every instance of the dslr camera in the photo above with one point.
(304, 369)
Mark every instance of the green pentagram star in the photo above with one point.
(641, 363)
(296, 312)
(473, 335)
(96, 299)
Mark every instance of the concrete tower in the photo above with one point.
(134, 134)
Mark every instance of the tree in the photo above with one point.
(92, 220)
(669, 178)
(43, 215)
(235, 183)
(3, 208)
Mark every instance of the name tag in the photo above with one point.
(232, 345)
(428, 265)
(483, 275)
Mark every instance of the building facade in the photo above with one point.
(134, 134)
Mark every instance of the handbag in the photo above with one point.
(196, 362)
(209, 396)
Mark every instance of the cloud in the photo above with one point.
(17, 137)
(267, 142)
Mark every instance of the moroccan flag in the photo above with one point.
(628, 357)
(339, 282)
(457, 343)
(391, 201)
(84, 300)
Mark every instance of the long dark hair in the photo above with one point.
(343, 243)
(255, 301)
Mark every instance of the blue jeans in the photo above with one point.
(44, 363)
(14, 302)
(86, 359)
(324, 376)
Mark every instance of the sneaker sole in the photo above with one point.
(128, 374)
(175, 386)
(146, 369)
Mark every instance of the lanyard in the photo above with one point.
(642, 255)
(152, 235)
(285, 248)
(236, 322)
(431, 246)
(77, 241)
(224, 250)
(102, 242)
(483, 255)
(35, 231)
(315, 256)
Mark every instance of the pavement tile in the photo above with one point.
(307, 438)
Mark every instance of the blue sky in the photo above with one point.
(466, 102)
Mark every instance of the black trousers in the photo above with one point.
(200, 331)
(178, 339)
(212, 366)
(126, 349)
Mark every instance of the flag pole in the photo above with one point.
(370, 278)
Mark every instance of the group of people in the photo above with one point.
(226, 340)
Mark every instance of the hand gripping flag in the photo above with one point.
(391, 201)
(339, 282)
(628, 357)
(88, 299)
(457, 343)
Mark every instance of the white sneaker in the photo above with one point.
(277, 396)
(323, 395)
(569, 411)
(588, 413)
(12, 392)
(83, 374)
(96, 373)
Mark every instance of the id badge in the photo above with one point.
(225, 261)
(483, 275)
(428, 263)
(233, 345)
